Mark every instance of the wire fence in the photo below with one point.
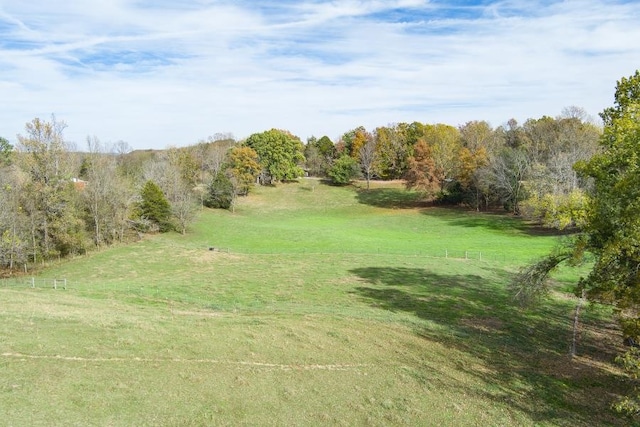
(170, 295)
(457, 254)
(34, 282)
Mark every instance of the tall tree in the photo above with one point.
(445, 150)
(155, 207)
(280, 153)
(107, 195)
(512, 133)
(612, 229)
(555, 191)
(183, 209)
(480, 144)
(53, 209)
(479, 134)
(352, 141)
(6, 151)
(244, 167)
(326, 147)
(613, 223)
(319, 155)
(509, 170)
(423, 174)
(215, 156)
(14, 230)
(315, 164)
(470, 172)
(186, 164)
(392, 151)
(175, 171)
(368, 155)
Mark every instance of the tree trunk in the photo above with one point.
(576, 318)
(13, 246)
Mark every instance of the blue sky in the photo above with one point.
(159, 73)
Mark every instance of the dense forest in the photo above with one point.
(57, 199)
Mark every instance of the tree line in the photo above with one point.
(57, 200)
(526, 169)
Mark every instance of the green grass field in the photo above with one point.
(325, 306)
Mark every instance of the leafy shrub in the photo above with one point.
(557, 211)
(343, 170)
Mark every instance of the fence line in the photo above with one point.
(469, 254)
(34, 282)
(457, 254)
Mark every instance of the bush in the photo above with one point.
(454, 195)
(557, 211)
(343, 170)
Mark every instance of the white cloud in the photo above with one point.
(172, 72)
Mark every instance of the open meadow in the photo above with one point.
(307, 305)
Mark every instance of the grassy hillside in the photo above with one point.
(328, 306)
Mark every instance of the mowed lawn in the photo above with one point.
(320, 306)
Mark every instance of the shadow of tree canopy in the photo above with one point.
(524, 352)
(397, 198)
(392, 198)
(498, 220)
(493, 220)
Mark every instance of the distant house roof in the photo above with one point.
(78, 183)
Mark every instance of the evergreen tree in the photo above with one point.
(155, 207)
(220, 193)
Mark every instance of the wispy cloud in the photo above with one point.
(156, 73)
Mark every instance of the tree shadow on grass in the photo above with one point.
(500, 220)
(391, 198)
(494, 220)
(524, 353)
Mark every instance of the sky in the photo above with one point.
(161, 73)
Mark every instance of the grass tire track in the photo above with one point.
(277, 366)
